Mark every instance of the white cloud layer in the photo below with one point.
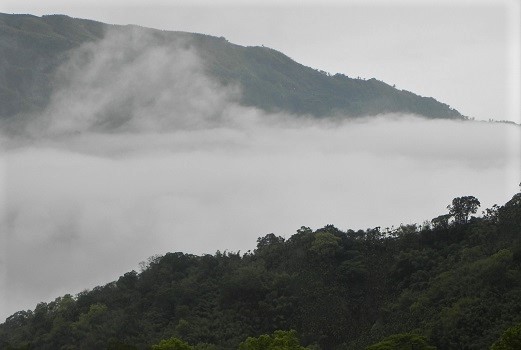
(141, 153)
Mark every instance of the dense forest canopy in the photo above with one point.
(452, 283)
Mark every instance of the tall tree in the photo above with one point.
(462, 207)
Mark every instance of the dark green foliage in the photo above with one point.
(279, 340)
(510, 339)
(406, 341)
(462, 207)
(172, 344)
(458, 284)
(31, 48)
(117, 345)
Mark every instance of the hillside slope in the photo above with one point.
(31, 48)
(458, 284)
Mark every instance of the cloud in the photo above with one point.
(140, 153)
(133, 80)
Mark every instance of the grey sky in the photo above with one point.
(463, 53)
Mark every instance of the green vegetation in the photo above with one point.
(510, 339)
(402, 342)
(33, 47)
(172, 344)
(279, 340)
(455, 285)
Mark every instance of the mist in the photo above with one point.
(140, 152)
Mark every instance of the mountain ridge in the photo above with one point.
(33, 47)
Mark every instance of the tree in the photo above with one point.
(441, 222)
(172, 344)
(118, 345)
(405, 341)
(279, 340)
(268, 240)
(509, 340)
(325, 244)
(462, 207)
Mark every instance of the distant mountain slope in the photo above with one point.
(32, 47)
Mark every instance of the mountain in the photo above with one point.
(31, 48)
(454, 283)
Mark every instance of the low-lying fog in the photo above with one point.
(141, 153)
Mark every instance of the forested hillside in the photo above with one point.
(31, 48)
(452, 283)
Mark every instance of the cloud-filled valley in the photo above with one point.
(140, 152)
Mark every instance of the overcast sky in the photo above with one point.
(463, 53)
(81, 207)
